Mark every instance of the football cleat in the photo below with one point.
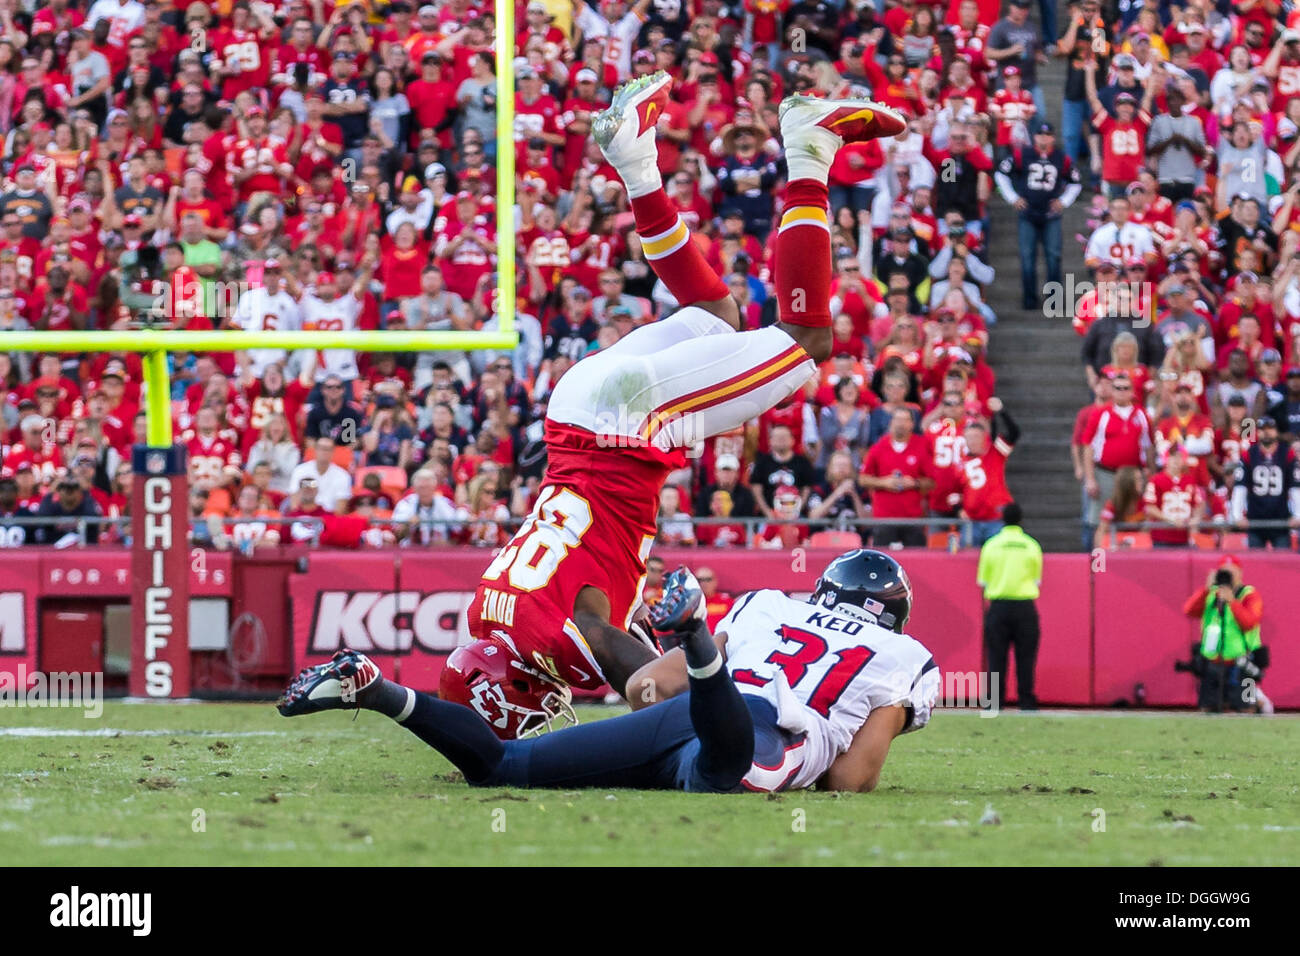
(682, 603)
(853, 121)
(330, 686)
(621, 131)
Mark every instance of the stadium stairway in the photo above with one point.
(1036, 359)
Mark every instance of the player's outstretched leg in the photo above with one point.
(636, 750)
(352, 681)
(812, 131)
(626, 135)
(721, 720)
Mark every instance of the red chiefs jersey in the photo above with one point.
(600, 255)
(984, 482)
(534, 119)
(262, 407)
(463, 268)
(1012, 108)
(208, 456)
(1177, 499)
(549, 251)
(592, 526)
(1172, 431)
(214, 164)
(789, 413)
(1231, 445)
(911, 461)
(312, 155)
(263, 156)
(288, 55)
(1158, 216)
(947, 451)
(242, 49)
(1123, 145)
(1288, 84)
(57, 310)
(1232, 309)
(25, 251)
(210, 211)
(971, 95)
(46, 461)
(694, 212)
(430, 104)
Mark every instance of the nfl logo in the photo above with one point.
(155, 462)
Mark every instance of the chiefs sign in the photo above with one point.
(389, 622)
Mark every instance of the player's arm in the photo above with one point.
(858, 768)
(664, 677)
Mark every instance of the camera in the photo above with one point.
(1195, 663)
(1223, 578)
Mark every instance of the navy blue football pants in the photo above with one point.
(704, 741)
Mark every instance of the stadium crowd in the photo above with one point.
(317, 166)
(1191, 339)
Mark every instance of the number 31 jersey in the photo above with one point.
(824, 673)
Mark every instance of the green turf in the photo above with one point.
(1176, 789)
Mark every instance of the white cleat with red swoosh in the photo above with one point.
(853, 121)
(625, 131)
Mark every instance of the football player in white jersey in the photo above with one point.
(842, 676)
(267, 308)
(794, 694)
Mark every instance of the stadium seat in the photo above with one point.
(1236, 541)
(1132, 540)
(1206, 540)
(943, 540)
(840, 540)
(391, 479)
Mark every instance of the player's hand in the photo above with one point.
(1092, 488)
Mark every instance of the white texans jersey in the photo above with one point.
(824, 671)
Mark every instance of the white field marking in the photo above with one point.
(98, 842)
(110, 732)
(1104, 712)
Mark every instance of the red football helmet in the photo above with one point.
(516, 700)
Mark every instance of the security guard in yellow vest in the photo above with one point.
(1011, 572)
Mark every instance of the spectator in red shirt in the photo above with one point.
(897, 472)
(1173, 497)
(1117, 434)
(983, 478)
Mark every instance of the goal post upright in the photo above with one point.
(507, 283)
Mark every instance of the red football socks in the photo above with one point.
(803, 255)
(671, 252)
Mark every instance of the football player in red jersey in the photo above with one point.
(562, 593)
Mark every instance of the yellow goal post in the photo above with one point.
(154, 345)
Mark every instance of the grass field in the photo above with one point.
(224, 784)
